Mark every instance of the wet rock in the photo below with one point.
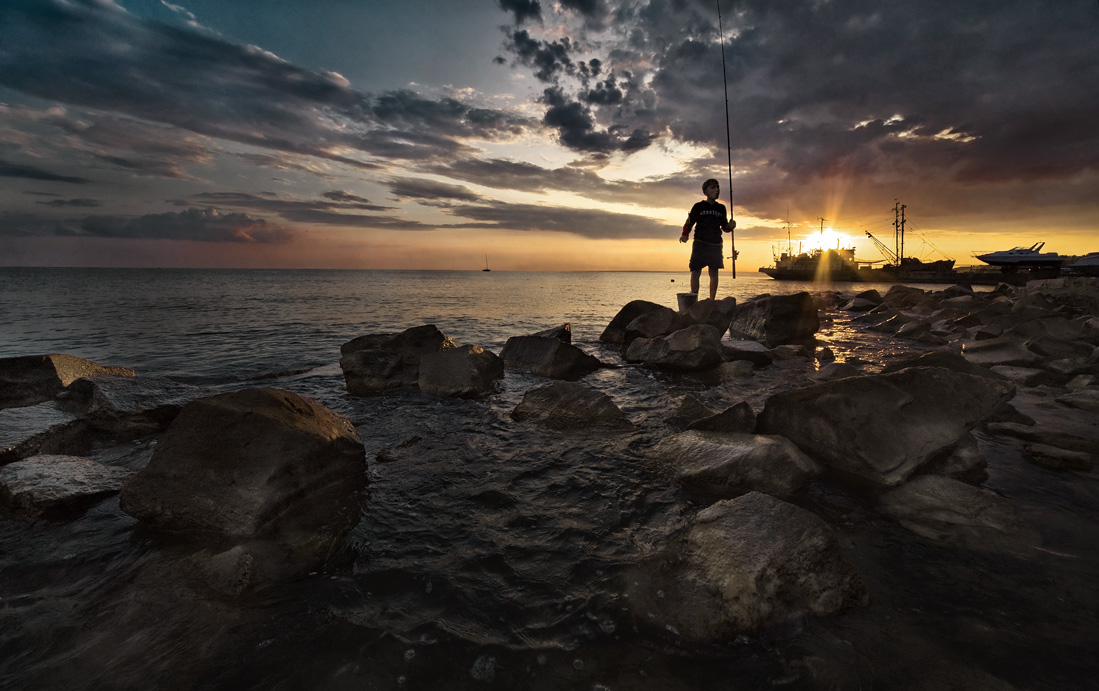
(127, 406)
(1059, 348)
(378, 362)
(693, 349)
(775, 320)
(1026, 376)
(1000, 351)
(569, 405)
(883, 427)
(258, 464)
(1082, 399)
(790, 352)
(744, 564)
(964, 462)
(689, 410)
(616, 330)
(652, 324)
(824, 354)
(837, 370)
(56, 486)
(1079, 293)
(548, 357)
(34, 379)
(944, 359)
(17, 425)
(738, 369)
(737, 418)
(955, 513)
(716, 313)
(1059, 459)
(902, 297)
(562, 333)
(1081, 381)
(752, 351)
(726, 465)
(464, 372)
(1040, 435)
(864, 301)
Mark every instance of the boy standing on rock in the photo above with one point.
(709, 220)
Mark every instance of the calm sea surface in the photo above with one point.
(490, 554)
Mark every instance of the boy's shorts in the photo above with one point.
(703, 256)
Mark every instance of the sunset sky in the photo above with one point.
(567, 135)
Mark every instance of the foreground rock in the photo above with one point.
(33, 379)
(775, 320)
(952, 512)
(56, 486)
(883, 427)
(693, 349)
(379, 362)
(547, 357)
(569, 405)
(259, 464)
(464, 372)
(723, 465)
(746, 563)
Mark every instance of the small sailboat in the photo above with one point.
(486, 264)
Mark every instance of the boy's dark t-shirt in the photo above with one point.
(707, 218)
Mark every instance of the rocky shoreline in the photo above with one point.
(257, 487)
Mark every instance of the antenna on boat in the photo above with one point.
(728, 137)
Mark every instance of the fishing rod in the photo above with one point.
(728, 137)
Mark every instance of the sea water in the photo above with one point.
(490, 554)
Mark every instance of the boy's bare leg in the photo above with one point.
(694, 280)
(713, 283)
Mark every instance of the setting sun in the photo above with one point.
(827, 239)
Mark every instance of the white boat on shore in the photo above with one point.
(1032, 256)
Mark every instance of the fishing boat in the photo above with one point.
(1023, 257)
(841, 264)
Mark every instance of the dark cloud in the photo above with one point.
(589, 223)
(79, 203)
(96, 55)
(979, 92)
(577, 128)
(15, 170)
(415, 188)
(522, 9)
(198, 225)
(345, 197)
(332, 210)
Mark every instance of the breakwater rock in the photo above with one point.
(33, 379)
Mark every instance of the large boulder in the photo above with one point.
(377, 362)
(693, 349)
(652, 324)
(33, 379)
(570, 405)
(776, 319)
(616, 330)
(464, 372)
(547, 357)
(744, 564)
(716, 313)
(56, 486)
(724, 465)
(883, 427)
(259, 464)
(955, 513)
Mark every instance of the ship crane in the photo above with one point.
(884, 249)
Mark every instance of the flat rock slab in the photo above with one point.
(883, 427)
(18, 424)
(1059, 459)
(33, 379)
(1001, 351)
(955, 513)
(570, 405)
(56, 486)
(744, 564)
(723, 465)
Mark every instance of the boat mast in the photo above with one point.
(898, 229)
